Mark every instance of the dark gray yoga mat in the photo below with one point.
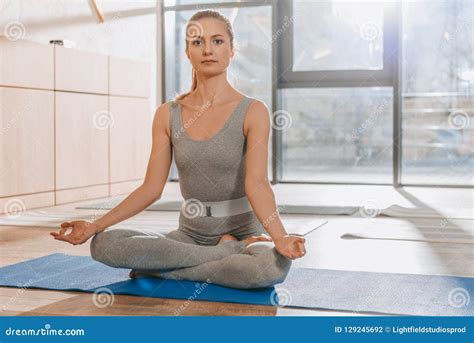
(365, 292)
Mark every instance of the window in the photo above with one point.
(336, 86)
(337, 35)
(438, 103)
(371, 92)
(337, 134)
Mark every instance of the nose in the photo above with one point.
(207, 49)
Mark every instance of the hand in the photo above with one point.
(253, 239)
(290, 246)
(81, 232)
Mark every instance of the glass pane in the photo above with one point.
(437, 88)
(337, 134)
(250, 71)
(337, 35)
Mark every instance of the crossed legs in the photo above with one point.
(177, 256)
(258, 265)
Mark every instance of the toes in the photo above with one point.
(226, 238)
(264, 238)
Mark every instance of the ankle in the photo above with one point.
(226, 238)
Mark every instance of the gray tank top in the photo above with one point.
(212, 170)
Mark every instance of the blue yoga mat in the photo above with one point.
(389, 293)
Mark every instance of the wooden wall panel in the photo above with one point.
(130, 138)
(26, 141)
(81, 140)
(26, 64)
(129, 77)
(80, 71)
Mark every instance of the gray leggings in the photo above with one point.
(177, 256)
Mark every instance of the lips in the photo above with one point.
(208, 61)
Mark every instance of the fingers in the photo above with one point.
(63, 230)
(294, 255)
(264, 238)
(62, 236)
(292, 247)
(70, 239)
(299, 250)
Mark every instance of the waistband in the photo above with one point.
(192, 208)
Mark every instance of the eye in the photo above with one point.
(196, 41)
(219, 40)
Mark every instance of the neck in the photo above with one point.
(211, 88)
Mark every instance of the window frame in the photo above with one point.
(387, 77)
(284, 77)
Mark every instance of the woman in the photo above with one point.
(222, 166)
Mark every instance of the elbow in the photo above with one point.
(253, 185)
(151, 191)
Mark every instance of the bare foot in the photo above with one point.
(226, 238)
(260, 238)
(135, 274)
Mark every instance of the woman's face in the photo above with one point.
(208, 48)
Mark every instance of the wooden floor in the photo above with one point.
(325, 249)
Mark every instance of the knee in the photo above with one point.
(271, 268)
(100, 244)
(276, 269)
(282, 267)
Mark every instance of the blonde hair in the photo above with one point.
(200, 15)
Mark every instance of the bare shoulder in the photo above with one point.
(162, 118)
(257, 116)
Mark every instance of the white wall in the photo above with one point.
(129, 30)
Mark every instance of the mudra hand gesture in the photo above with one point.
(290, 246)
(81, 231)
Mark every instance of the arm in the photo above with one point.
(151, 189)
(257, 186)
(156, 176)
